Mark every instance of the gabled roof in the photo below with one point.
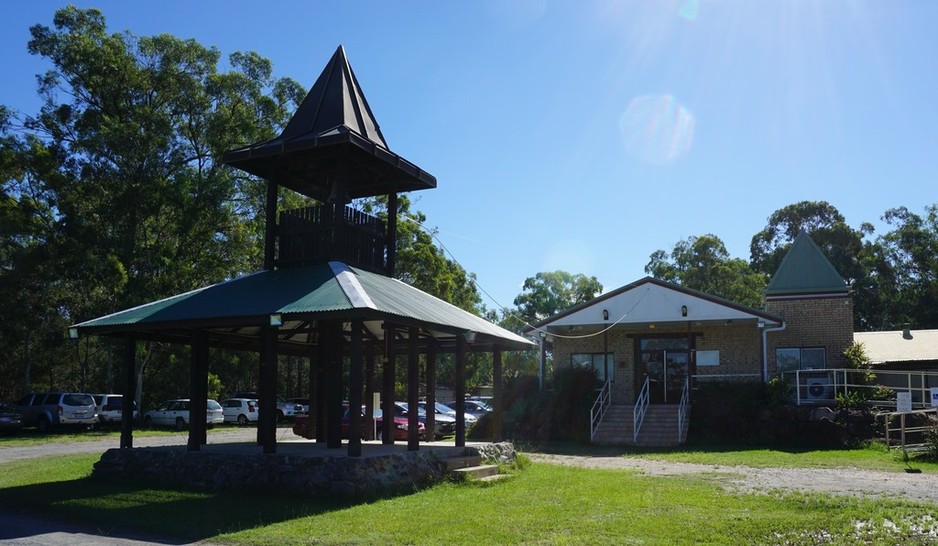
(333, 130)
(651, 300)
(805, 270)
(234, 310)
(899, 345)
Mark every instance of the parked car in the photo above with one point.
(239, 410)
(285, 409)
(301, 423)
(110, 407)
(443, 424)
(303, 402)
(10, 419)
(477, 408)
(45, 410)
(443, 409)
(175, 413)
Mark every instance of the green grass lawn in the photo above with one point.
(541, 504)
(872, 456)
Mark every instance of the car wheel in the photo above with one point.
(43, 424)
(147, 421)
(180, 424)
(242, 419)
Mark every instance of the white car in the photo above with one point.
(110, 407)
(175, 413)
(239, 410)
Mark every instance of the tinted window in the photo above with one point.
(78, 400)
(51, 399)
(24, 401)
(213, 405)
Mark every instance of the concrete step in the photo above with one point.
(465, 461)
(477, 472)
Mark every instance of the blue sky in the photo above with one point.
(584, 135)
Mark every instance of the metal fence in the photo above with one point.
(870, 387)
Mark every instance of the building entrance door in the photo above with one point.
(665, 361)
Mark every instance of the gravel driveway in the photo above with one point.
(847, 481)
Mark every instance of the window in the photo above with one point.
(708, 358)
(790, 359)
(595, 361)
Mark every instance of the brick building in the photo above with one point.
(655, 340)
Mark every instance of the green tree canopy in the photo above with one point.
(551, 292)
(113, 193)
(703, 263)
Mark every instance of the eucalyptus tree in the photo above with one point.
(703, 263)
(116, 183)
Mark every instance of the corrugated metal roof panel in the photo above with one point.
(895, 346)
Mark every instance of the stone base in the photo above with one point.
(298, 468)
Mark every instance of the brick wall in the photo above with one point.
(739, 345)
(813, 322)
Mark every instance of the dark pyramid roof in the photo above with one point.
(334, 125)
(336, 100)
(805, 270)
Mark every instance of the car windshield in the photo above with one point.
(443, 408)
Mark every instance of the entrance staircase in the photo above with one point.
(659, 429)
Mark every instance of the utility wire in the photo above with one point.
(509, 312)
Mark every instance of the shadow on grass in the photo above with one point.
(135, 511)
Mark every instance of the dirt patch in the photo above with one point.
(841, 481)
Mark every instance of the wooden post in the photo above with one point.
(460, 389)
(392, 234)
(270, 226)
(387, 392)
(198, 390)
(130, 388)
(497, 394)
(369, 423)
(413, 377)
(323, 360)
(312, 420)
(355, 391)
(268, 396)
(333, 376)
(430, 422)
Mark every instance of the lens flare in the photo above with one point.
(657, 129)
(689, 10)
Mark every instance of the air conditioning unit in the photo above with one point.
(819, 388)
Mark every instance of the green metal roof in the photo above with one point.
(300, 295)
(805, 270)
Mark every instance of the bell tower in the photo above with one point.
(333, 151)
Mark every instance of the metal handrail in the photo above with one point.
(904, 430)
(832, 382)
(638, 413)
(599, 408)
(682, 409)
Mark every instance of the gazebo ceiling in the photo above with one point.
(332, 138)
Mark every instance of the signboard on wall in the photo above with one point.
(708, 358)
(934, 397)
(904, 402)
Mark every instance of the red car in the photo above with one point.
(400, 425)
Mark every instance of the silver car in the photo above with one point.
(45, 410)
(175, 413)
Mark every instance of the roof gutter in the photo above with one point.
(765, 350)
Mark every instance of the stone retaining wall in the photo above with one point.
(321, 477)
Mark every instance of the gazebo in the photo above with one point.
(327, 290)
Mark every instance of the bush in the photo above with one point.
(559, 413)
